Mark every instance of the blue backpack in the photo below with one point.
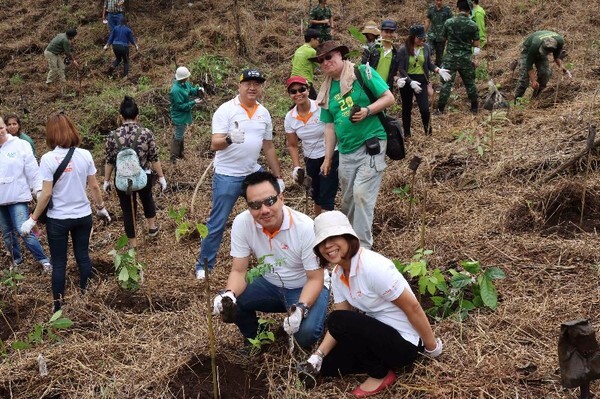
(129, 176)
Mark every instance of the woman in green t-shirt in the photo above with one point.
(415, 65)
(13, 126)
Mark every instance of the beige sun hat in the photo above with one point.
(371, 27)
(329, 224)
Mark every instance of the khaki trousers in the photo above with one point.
(56, 67)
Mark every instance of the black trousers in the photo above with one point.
(145, 196)
(406, 94)
(438, 48)
(365, 345)
(122, 54)
(312, 93)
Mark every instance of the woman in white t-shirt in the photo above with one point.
(71, 211)
(389, 328)
(303, 123)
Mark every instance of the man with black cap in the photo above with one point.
(536, 48)
(437, 15)
(462, 36)
(241, 127)
(384, 57)
(58, 48)
(301, 66)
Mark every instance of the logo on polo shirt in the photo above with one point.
(284, 246)
(11, 154)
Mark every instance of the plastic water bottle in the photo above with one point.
(42, 365)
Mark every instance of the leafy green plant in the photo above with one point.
(144, 83)
(213, 69)
(12, 279)
(16, 79)
(129, 272)
(453, 292)
(261, 268)
(263, 337)
(479, 142)
(46, 330)
(481, 72)
(405, 194)
(185, 227)
(521, 103)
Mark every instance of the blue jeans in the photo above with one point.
(11, 218)
(263, 296)
(226, 190)
(113, 19)
(58, 238)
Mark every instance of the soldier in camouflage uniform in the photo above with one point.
(536, 48)
(322, 21)
(437, 14)
(462, 34)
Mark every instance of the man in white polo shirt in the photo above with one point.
(240, 128)
(294, 283)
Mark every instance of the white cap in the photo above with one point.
(329, 224)
(182, 73)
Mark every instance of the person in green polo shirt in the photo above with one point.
(478, 16)
(384, 57)
(301, 66)
(59, 47)
(13, 126)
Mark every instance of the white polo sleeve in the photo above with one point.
(287, 123)
(240, 246)
(338, 287)
(384, 279)
(221, 119)
(268, 127)
(91, 170)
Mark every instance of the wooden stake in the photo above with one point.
(211, 332)
(590, 146)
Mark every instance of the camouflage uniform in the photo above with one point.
(461, 32)
(531, 54)
(434, 33)
(318, 14)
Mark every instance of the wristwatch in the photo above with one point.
(305, 309)
(228, 140)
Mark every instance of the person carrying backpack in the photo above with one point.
(129, 180)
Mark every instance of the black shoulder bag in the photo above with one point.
(395, 137)
(61, 168)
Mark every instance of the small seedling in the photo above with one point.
(12, 279)
(129, 272)
(46, 330)
(185, 227)
(261, 268)
(263, 336)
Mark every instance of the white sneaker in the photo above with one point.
(200, 275)
(47, 267)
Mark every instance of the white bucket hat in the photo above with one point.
(329, 224)
(182, 73)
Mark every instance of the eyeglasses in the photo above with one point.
(326, 58)
(300, 90)
(269, 202)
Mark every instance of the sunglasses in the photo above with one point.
(326, 58)
(300, 90)
(269, 202)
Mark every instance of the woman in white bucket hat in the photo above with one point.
(390, 327)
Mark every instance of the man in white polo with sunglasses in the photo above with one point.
(291, 281)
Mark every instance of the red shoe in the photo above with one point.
(387, 381)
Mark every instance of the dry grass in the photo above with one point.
(154, 344)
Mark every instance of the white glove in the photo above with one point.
(295, 173)
(105, 21)
(237, 135)
(416, 86)
(437, 350)
(281, 185)
(198, 100)
(105, 47)
(400, 82)
(444, 74)
(291, 324)
(163, 183)
(106, 186)
(218, 302)
(316, 361)
(568, 73)
(27, 226)
(476, 51)
(103, 214)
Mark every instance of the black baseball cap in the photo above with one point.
(252, 74)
